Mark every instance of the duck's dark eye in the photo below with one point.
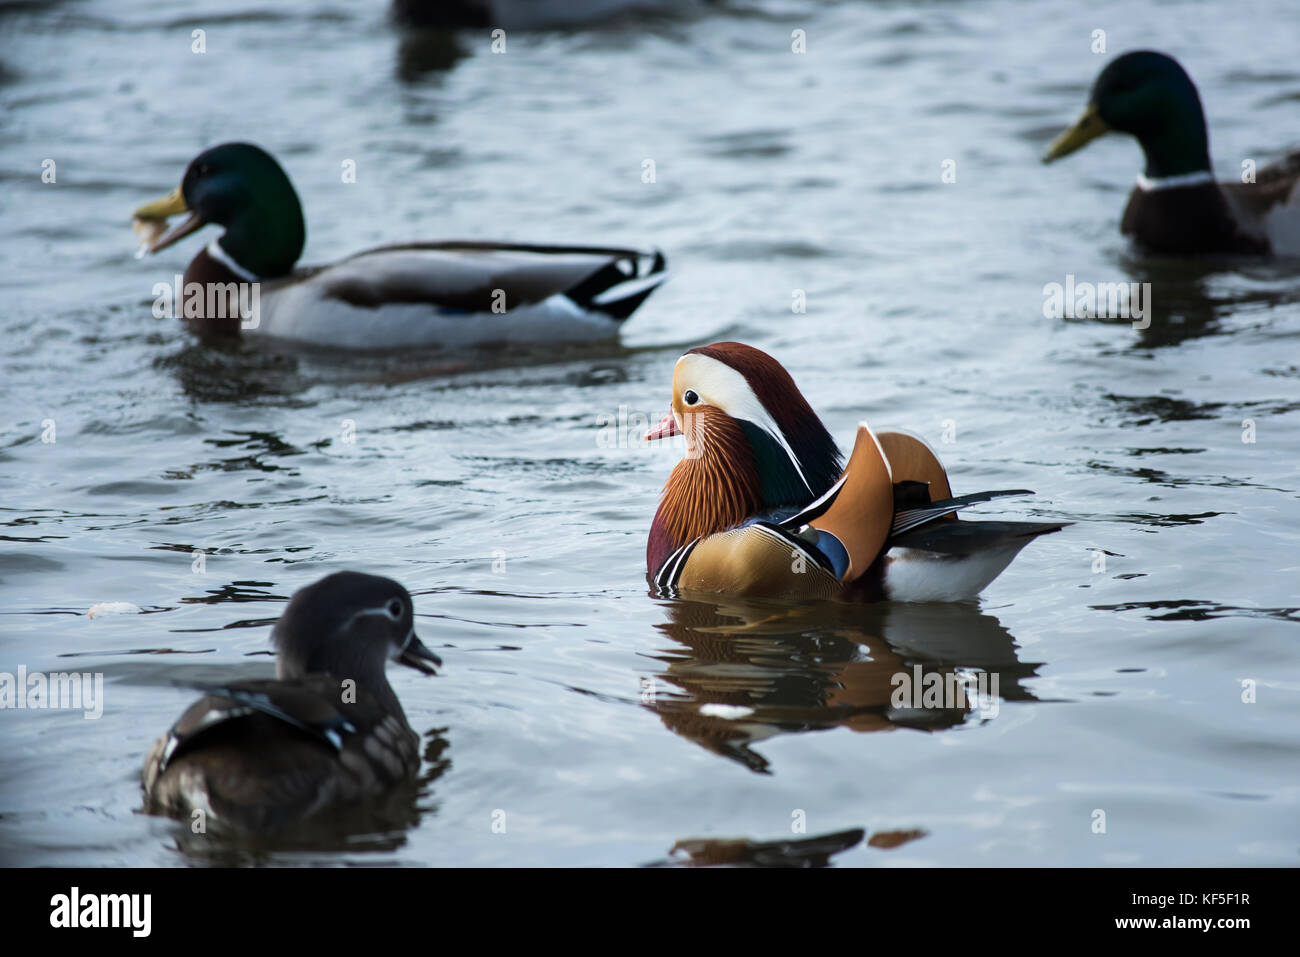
(690, 397)
(202, 170)
(395, 609)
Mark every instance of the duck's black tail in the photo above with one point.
(620, 287)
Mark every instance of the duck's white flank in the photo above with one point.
(915, 575)
(300, 314)
(312, 310)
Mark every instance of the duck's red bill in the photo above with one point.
(666, 427)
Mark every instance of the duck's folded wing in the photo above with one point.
(855, 514)
(910, 518)
(969, 538)
(917, 475)
(1274, 185)
(912, 460)
(488, 278)
(1269, 208)
(312, 705)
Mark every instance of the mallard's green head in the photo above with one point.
(1150, 96)
(241, 187)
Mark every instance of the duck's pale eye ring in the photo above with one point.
(690, 397)
(394, 609)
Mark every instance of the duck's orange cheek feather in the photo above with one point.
(705, 428)
(695, 432)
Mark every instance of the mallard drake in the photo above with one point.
(1176, 206)
(759, 505)
(259, 756)
(450, 294)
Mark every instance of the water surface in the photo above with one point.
(608, 725)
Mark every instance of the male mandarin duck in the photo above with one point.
(1176, 206)
(453, 293)
(759, 505)
(260, 756)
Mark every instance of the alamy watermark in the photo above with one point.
(626, 429)
(919, 689)
(74, 909)
(1098, 300)
(66, 690)
(213, 300)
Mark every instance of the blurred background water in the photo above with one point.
(608, 725)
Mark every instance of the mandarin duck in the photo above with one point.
(759, 505)
(453, 294)
(261, 756)
(1177, 207)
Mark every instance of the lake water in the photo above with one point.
(600, 724)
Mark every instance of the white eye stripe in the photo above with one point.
(386, 611)
(720, 385)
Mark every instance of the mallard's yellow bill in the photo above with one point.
(173, 204)
(1086, 129)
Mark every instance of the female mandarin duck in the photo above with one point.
(454, 294)
(259, 756)
(1177, 207)
(759, 505)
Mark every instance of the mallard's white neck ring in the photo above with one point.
(1150, 184)
(216, 251)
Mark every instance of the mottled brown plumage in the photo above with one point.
(263, 756)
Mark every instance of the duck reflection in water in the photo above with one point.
(1193, 298)
(746, 670)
